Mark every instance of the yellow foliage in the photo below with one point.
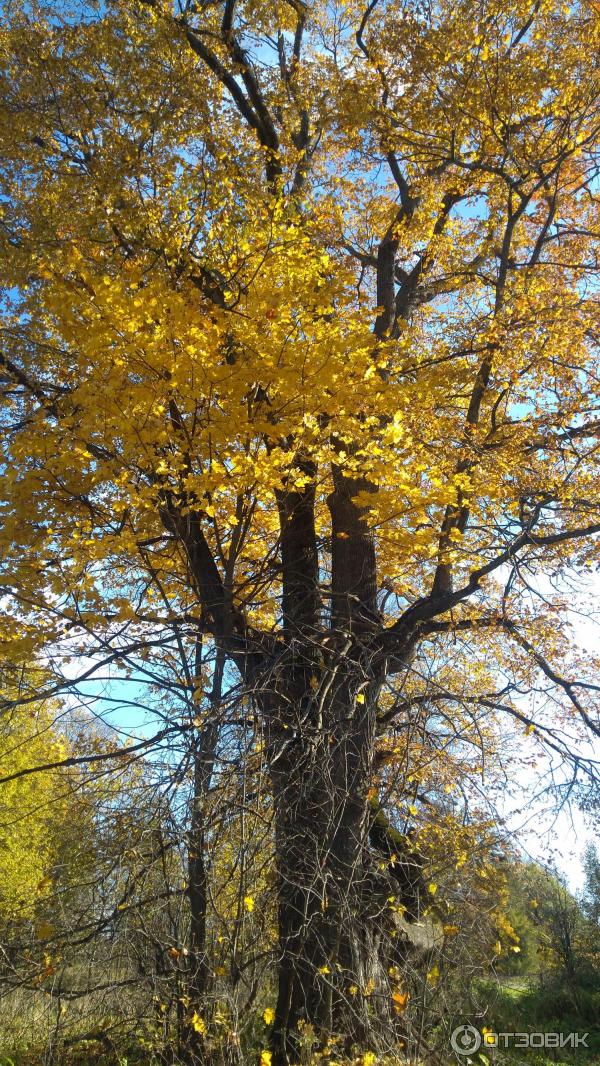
(32, 809)
(198, 1023)
(198, 345)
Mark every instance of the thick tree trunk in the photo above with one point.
(322, 743)
(343, 943)
(334, 919)
(302, 812)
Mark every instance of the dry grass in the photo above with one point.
(61, 1023)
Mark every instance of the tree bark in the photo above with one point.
(336, 927)
(321, 763)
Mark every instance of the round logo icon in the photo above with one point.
(465, 1040)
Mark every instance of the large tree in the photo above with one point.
(298, 354)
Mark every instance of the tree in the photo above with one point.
(548, 919)
(591, 890)
(558, 941)
(31, 809)
(301, 400)
(92, 887)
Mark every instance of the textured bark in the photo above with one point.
(338, 935)
(299, 558)
(302, 806)
(353, 563)
(321, 776)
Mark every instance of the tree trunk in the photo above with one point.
(334, 915)
(332, 903)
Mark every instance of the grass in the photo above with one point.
(518, 1005)
(38, 1027)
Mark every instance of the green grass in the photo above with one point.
(515, 988)
(551, 1006)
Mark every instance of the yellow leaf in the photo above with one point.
(249, 904)
(198, 1023)
(265, 1058)
(360, 698)
(269, 1016)
(400, 999)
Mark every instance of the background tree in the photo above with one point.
(32, 808)
(591, 890)
(301, 395)
(553, 983)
